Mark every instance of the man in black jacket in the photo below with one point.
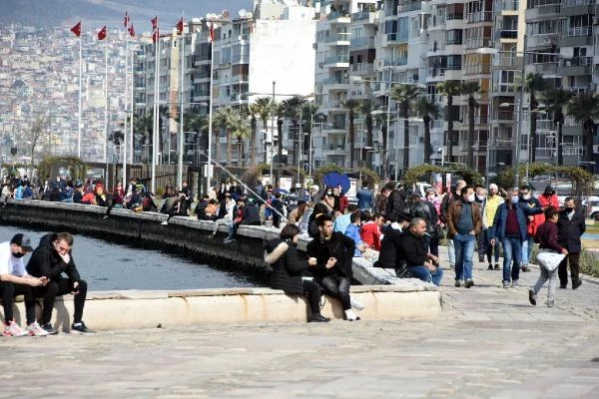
(426, 210)
(413, 249)
(334, 253)
(571, 226)
(51, 259)
(389, 254)
(396, 201)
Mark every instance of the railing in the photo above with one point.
(503, 116)
(360, 16)
(362, 67)
(335, 147)
(332, 81)
(508, 5)
(339, 14)
(580, 31)
(337, 59)
(477, 69)
(508, 34)
(440, 72)
(361, 41)
(508, 60)
(478, 42)
(577, 90)
(397, 37)
(455, 16)
(576, 3)
(504, 88)
(544, 3)
(578, 61)
(480, 16)
(395, 62)
(411, 6)
(339, 37)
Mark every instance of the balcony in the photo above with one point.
(340, 38)
(395, 62)
(409, 6)
(364, 16)
(335, 84)
(544, 40)
(507, 5)
(361, 42)
(479, 42)
(503, 116)
(477, 69)
(501, 143)
(543, 68)
(362, 68)
(504, 88)
(342, 17)
(508, 34)
(578, 66)
(571, 8)
(237, 79)
(397, 37)
(448, 73)
(580, 36)
(508, 61)
(543, 9)
(340, 61)
(480, 16)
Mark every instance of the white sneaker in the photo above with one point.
(35, 329)
(351, 316)
(14, 330)
(357, 304)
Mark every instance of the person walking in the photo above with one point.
(532, 208)
(448, 199)
(481, 200)
(464, 222)
(547, 237)
(365, 198)
(571, 226)
(287, 265)
(492, 203)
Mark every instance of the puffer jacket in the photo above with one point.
(287, 266)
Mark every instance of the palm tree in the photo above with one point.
(555, 100)
(449, 89)
(534, 84)
(241, 131)
(143, 128)
(585, 109)
(366, 109)
(224, 119)
(405, 96)
(280, 111)
(293, 110)
(195, 123)
(353, 106)
(263, 107)
(427, 110)
(471, 89)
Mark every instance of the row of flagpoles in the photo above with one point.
(128, 124)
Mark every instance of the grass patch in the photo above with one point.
(589, 263)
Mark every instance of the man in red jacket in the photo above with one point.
(371, 231)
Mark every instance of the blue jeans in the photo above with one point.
(527, 250)
(512, 250)
(422, 273)
(464, 250)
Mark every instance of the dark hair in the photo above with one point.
(351, 208)
(320, 220)
(355, 216)
(389, 186)
(320, 209)
(465, 190)
(289, 231)
(67, 237)
(213, 201)
(377, 215)
(525, 187)
(569, 199)
(550, 212)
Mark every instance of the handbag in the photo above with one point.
(549, 260)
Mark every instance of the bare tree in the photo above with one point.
(37, 134)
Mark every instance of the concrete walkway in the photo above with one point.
(488, 343)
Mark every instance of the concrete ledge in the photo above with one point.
(115, 310)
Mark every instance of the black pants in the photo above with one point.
(9, 292)
(338, 287)
(313, 293)
(58, 288)
(573, 259)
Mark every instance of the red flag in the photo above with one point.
(102, 33)
(126, 21)
(77, 29)
(156, 35)
(154, 23)
(180, 26)
(211, 32)
(132, 31)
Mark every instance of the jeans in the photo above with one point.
(8, 292)
(61, 287)
(464, 250)
(313, 293)
(512, 250)
(220, 222)
(547, 275)
(490, 247)
(527, 246)
(451, 252)
(574, 259)
(422, 273)
(338, 287)
(481, 245)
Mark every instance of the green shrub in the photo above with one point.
(589, 263)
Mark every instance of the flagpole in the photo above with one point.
(181, 91)
(106, 109)
(156, 127)
(132, 150)
(80, 94)
(124, 144)
(209, 164)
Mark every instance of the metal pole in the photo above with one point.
(107, 182)
(156, 127)
(132, 105)
(209, 163)
(386, 149)
(106, 99)
(274, 122)
(126, 106)
(520, 110)
(181, 138)
(80, 95)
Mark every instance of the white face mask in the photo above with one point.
(480, 197)
(514, 199)
(470, 198)
(430, 198)
(526, 197)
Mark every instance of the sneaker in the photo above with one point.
(351, 316)
(318, 318)
(36, 330)
(524, 268)
(550, 303)
(228, 240)
(496, 266)
(14, 330)
(532, 297)
(82, 328)
(469, 283)
(576, 284)
(515, 284)
(357, 304)
(506, 284)
(563, 286)
(481, 259)
(490, 267)
(165, 223)
(458, 283)
(49, 329)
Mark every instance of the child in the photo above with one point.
(547, 238)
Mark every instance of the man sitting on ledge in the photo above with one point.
(50, 259)
(413, 249)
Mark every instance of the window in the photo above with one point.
(454, 36)
(455, 11)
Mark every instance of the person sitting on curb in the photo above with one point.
(388, 256)
(15, 281)
(413, 250)
(334, 252)
(282, 255)
(225, 214)
(51, 259)
(353, 232)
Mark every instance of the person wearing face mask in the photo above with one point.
(481, 200)
(491, 205)
(448, 199)
(509, 227)
(534, 214)
(50, 260)
(15, 281)
(464, 223)
(571, 226)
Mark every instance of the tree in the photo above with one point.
(535, 83)
(224, 119)
(293, 110)
(585, 109)
(263, 107)
(241, 131)
(555, 100)
(143, 127)
(353, 106)
(309, 111)
(427, 110)
(280, 111)
(37, 132)
(471, 89)
(366, 109)
(449, 89)
(197, 123)
(405, 96)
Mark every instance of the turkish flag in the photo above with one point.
(156, 35)
(77, 29)
(126, 21)
(180, 26)
(211, 32)
(132, 31)
(155, 22)
(102, 33)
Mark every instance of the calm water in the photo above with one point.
(108, 266)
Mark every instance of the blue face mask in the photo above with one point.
(515, 199)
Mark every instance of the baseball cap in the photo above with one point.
(22, 241)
